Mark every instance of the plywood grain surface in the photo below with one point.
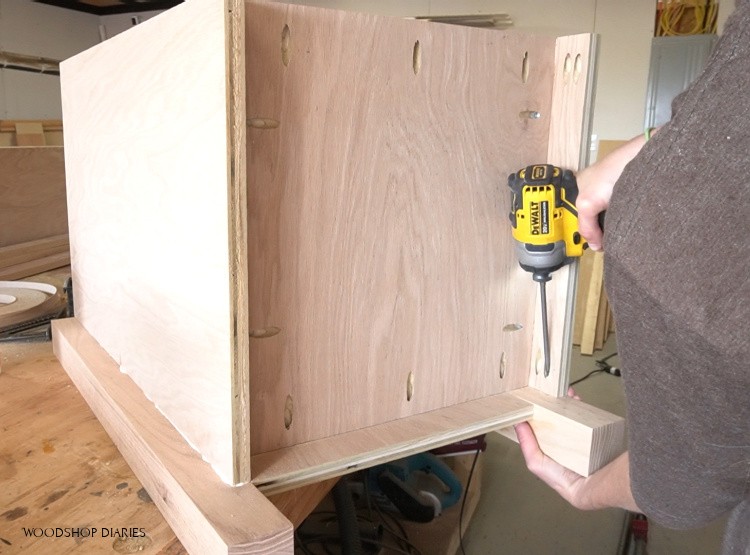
(381, 271)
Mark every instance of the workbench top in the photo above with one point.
(66, 488)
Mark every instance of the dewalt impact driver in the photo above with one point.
(545, 227)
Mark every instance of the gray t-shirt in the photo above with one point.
(677, 271)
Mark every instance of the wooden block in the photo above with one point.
(297, 504)
(580, 437)
(207, 515)
(32, 194)
(30, 134)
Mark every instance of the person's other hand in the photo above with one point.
(565, 482)
(607, 487)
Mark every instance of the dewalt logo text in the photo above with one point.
(538, 216)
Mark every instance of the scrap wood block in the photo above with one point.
(357, 293)
(579, 436)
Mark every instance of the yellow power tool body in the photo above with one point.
(545, 226)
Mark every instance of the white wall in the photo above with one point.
(50, 32)
(39, 30)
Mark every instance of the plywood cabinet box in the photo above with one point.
(291, 251)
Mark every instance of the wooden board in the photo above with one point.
(379, 246)
(207, 515)
(32, 194)
(150, 176)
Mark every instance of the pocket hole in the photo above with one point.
(525, 67)
(567, 66)
(410, 386)
(285, 38)
(577, 68)
(288, 412)
(502, 365)
(512, 327)
(416, 58)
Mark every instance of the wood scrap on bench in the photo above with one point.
(33, 257)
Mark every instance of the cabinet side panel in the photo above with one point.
(147, 168)
(383, 277)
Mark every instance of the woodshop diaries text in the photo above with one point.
(84, 532)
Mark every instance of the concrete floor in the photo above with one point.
(519, 515)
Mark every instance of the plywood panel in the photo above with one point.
(149, 190)
(378, 237)
(32, 194)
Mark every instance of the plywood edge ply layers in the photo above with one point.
(155, 195)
